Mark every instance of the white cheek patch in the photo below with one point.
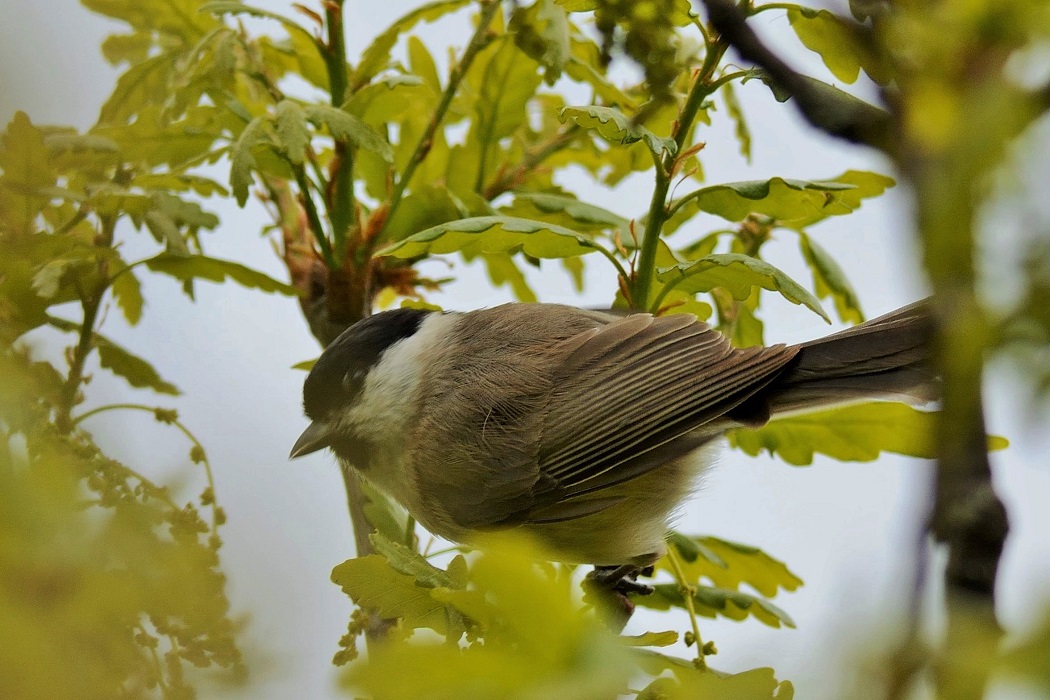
(385, 402)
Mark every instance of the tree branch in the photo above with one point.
(834, 112)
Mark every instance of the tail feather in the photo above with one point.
(885, 358)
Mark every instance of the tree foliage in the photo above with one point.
(368, 169)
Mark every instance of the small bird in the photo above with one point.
(586, 429)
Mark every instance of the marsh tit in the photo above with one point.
(583, 428)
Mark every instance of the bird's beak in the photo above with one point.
(315, 437)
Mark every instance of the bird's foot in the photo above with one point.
(612, 585)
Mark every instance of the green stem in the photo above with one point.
(314, 218)
(687, 593)
(478, 41)
(701, 89)
(342, 209)
(773, 6)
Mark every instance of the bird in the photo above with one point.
(585, 429)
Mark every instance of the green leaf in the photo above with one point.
(494, 234)
(24, 161)
(294, 29)
(242, 162)
(143, 84)
(736, 113)
(714, 602)
(616, 127)
(346, 127)
(651, 639)
(132, 368)
(845, 47)
(564, 210)
(165, 230)
(855, 433)
(427, 206)
(372, 583)
(738, 274)
(377, 55)
(155, 139)
(292, 134)
(127, 292)
(184, 213)
(503, 271)
(541, 31)
(830, 280)
(729, 564)
(185, 268)
(406, 561)
(794, 204)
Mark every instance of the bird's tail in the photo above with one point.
(885, 358)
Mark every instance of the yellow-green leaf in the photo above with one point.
(794, 204)
(292, 134)
(346, 127)
(374, 585)
(242, 162)
(651, 639)
(729, 564)
(566, 211)
(844, 46)
(616, 127)
(830, 280)
(738, 274)
(132, 368)
(714, 602)
(856, 433)
(192, 267)
(494, 234)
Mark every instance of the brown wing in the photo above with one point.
(633, 395)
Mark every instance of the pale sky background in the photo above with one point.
(846, 529)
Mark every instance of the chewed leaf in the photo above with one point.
(616, 127)
(856, 433)
(738, 274)
(794, 204)
(494, 234)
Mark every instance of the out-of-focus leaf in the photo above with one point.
(502, 270)
(616, 127)
(185, 268)
(24, 161)
(585, 66)
(738, 274)
(127, 292)
(166, 231)
(542, 32)
(427, 206)
(183, 212)
(736, 113)
(856, 433)
(377, 55)
(180, 182)
(155, 139)
(494, 234)
(143, 84)
(387, 516)
(714, 602)
(232, 7)
(689, 683)
(794, 204)
(729, 564)
(292, 134)
(242, 162)
(651, 639)
(844, 46)
(830, 280)
(132, 368)
(372, 583)
(346, 127)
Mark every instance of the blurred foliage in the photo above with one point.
(369, 169)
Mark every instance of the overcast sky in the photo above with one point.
(846, 529)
